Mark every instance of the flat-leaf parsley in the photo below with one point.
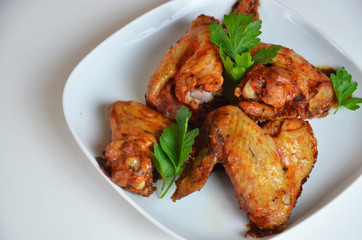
(343, 88)
(235, 46)
(174, 147)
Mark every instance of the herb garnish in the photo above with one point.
(175, 146)
(235, 46)
(343, 88)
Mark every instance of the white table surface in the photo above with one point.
(49, 189)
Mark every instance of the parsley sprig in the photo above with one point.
(343, 88)
(235, 46)
(174, 147)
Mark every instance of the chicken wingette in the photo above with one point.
(267, 171)
(190, 74)
(135, 128)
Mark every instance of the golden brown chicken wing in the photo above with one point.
(288, 88)
(197, 170)
(135, 128)
(247, 7)
(267, 172)
(190, 74)
(297, 149)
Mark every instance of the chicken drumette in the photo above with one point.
(135, 128)
(190, 74)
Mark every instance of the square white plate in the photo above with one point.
(120, 68)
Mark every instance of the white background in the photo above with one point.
(49, 189)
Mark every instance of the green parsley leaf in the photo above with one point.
(162, 163)
(343, 88)
(174, 148)
(242, 35)
(237, 69)
(187, 142)
(167, 142)
(263, 56)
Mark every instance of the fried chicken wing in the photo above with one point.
(198, 170)
(290, 87)
(190, 74)
(135, 128)
(297, 149)
(194, 177)
(267, 171)
(247, 7)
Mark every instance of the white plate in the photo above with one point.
(120, 68)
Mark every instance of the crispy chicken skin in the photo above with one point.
(194, 177)
(290, 87)
(247, 7)
(198, 169)
(266, 171)
(190, 74)
(297, 149)
(135, 128)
